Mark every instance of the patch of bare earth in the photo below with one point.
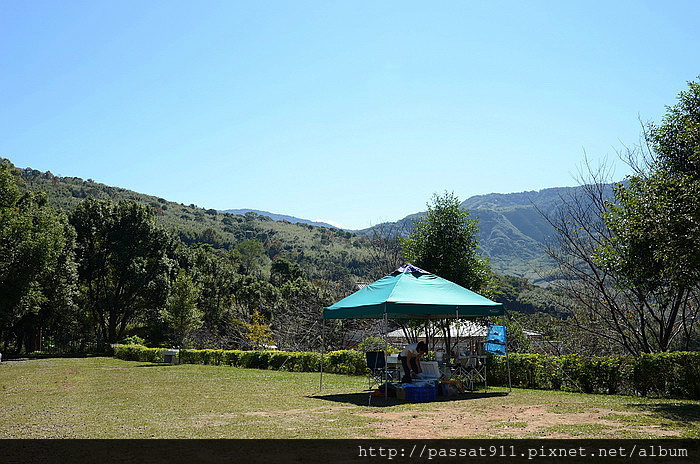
(297, 412)
(213, 420)
(501, 421)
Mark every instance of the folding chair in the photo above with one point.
(463, 372)
(476, 370)
(377, 370)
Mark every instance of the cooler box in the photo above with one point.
(420, 394)
(430, 369)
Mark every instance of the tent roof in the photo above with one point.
(412, 293)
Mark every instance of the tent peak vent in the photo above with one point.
(409, 268)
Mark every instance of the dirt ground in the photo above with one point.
(512, 421)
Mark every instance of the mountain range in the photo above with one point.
(279, 217)
(513, 228)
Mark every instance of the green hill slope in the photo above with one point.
(512, 232)
(512, 228)
(321, 251)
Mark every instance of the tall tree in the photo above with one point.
(123, 264)
(655, 248)
(445, 242)
(250, 254)
(181, 313)
(632, 263)
(297, 319)
(214, 273)
(385, 249)
(35, 245)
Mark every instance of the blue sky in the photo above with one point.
(351, 112)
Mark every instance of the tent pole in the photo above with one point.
(510, 388)
(323, 350)
(386, 342)
(456, 335)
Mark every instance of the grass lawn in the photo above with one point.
(109, 398)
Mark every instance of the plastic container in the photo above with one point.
(421, 394)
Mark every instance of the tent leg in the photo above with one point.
(323, 350)
(510, 387)
(386, 374)
(449, 348)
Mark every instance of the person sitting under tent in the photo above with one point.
(410, 360)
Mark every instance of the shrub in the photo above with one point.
(658, 374)
(251, 359)
(232, 357)
(212, 357)
(348, 362)
(373, 343)
(661, 374)
(133, 340)
(673, 374)
(138, 353)
(190, 357)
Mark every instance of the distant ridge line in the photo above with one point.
(279, 217)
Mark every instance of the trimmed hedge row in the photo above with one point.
(349, 362)
(671, 375)
(675, 375)
(138, 353)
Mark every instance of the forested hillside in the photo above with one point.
(512, 227)
(512, 230)
(322, 252)
(95, 263)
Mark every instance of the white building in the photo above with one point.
(465, 337)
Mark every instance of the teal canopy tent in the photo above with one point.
(412, 293)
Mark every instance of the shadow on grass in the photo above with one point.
(156, 365)
(362, 399)
(680, 411)
(33, 356)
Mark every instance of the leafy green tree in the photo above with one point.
(214, 272)
(631, 264)
(35, 245)
(445, 243)
(655, 220)
(258, 332)
(181, 312)
(216, 276)
(250, 254)
(59, 320)
(123, 264)
(252, 294)
(657, 212)
(283, 270)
